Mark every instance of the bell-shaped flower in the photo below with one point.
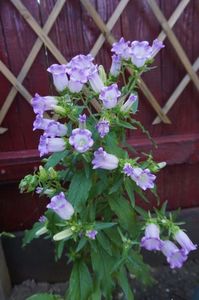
(104, 160)
(121, 48)
(103, 127)
(151, 240)
(50, 145)
(184, 241)
(95, 80)
(116, 65)
(143, 178)
(41, 123)
(109, 96)
(156, 47)
(75, 86)
(82, 62)
(60, 79)
(81, 139)
(41, 104)
(175, 256)
(55, 129)
(61, 206)
(128, 104)
(140, 53)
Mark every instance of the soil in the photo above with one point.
(170, 284)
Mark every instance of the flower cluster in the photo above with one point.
(175, 256)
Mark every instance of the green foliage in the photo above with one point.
(55, 159)
(31, 234)
(79, 188)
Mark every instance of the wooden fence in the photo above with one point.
(34, 34)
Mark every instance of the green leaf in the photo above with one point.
(124, 211)
(130, 191)
(141, 212)
(80, 285)
(81, 244)
(111, 142)
(104, 242)
(102, 264)
(44, 296)
(125, 124)
(31, 234)
(116, 186)
(55, 158)
(101, 225)
(124, 284)
(79, 190)
(7, 234)
(134, 107)
(59, 248)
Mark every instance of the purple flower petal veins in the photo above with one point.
(140, 53)
(104, 160)
(81, 140)
(82, 62)
(52, 128)
(41, 104)
(116, 65)
(143, 178)
(49, 145)
(128, 104)
(109, 96)
(91, 234)
(175, 256)
(184, 241)
(156, 47)
(60, 79)
(103, 127)
(82, 121)
(61, 206)
(151, 240)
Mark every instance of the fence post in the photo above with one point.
(5, 284)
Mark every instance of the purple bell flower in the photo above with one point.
(95, 80)
(128, 104)
(91, 234)
(41, 104)
(60, 79)
(103, 127)
(116, 65)
(61, 206)
(48, 145)
(184, 241)
(81, 140)
(151, 240)
(79, 75)
(156, 47)
(143, 178)
(140, 53)
(175, 256)
(82, 62)
(104, 160)
(55, 129)
(109, 96)
(121, 48)
(42, 219)
(75, 86)
(41, 123)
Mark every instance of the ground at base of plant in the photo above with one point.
(171, 285)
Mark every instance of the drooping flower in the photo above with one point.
(156, 47)
(41, 123)
(60, 79)
(104, 160)
(116, 65)
(109, 96)
(121, 48)
(143, 178)
(48, 145)
(151, 240)
(140, 53)
(128, 104)
(182, 238)
(41, 104)
(55, 129)
(91, 234)
(175, 256)
(61, 206)
(81, 139)
(103, 127)
(95, 80)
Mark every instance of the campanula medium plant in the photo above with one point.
(93, 177)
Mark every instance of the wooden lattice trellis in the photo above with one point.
(106, 34)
